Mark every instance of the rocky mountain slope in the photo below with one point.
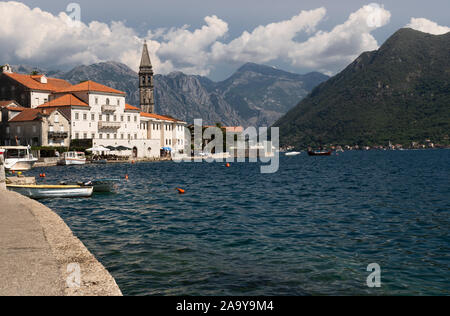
(254, 95)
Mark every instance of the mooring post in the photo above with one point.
(2, 173)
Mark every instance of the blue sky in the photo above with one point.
(233, 32)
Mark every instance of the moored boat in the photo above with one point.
(319, 153)
(52, 191)
(292, 153)
(18, 158)
(72, 158)
(104, 185)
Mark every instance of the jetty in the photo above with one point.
(40, 256)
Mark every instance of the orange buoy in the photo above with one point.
(228, 165)
(126, 177)
(181, 191)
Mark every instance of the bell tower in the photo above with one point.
(146, 87)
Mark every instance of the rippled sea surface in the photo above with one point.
(312, 228)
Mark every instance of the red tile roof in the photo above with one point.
(11, 105)
(159, 117)
(31, 114)
(90, 86)
(33, 82)
(130, 107)
(65, 100)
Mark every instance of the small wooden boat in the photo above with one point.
(293, 153)
(52, 191)
(104, 185)
(319, 153)
(100, 185)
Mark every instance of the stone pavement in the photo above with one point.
(37, 250)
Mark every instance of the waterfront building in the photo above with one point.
(52, 112)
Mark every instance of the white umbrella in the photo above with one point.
(98, 149)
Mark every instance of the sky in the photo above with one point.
(208, 37)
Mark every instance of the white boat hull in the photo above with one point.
(19, 164)
(44, 192)
(69, 162)
(292, 153)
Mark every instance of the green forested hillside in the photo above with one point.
(400, 93)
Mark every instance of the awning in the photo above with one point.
(122, 148)
(167, 148)
(98, 149)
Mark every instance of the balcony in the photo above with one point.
(109, 108)
(58, 135)
(108, 125)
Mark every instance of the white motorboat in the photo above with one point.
(72, 158)
(18, 158)
(293, 153)
(52, 191)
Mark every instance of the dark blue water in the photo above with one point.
(310, 229)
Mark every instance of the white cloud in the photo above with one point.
(34, 36)
(427, 26)
(335, 49)
(269, 42)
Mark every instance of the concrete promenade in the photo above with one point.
(39, 255)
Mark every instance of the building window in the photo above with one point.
(85, 117)
(121, 136)
(135, 136)
(107, 136)
(135, 118)
(99, 117)
(115, 118)
(129, 118)
(96, 100)
(115, 136)
(77, 116)
(100, 136)
(107, 101)
(121, 118)
(85, 135)
(56, 118)
(92, 117)
(92, 135)
(107, 118)
(77, 136)
(118, 101)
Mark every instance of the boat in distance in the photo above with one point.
(18, 158)
(319, 153)
(52, 191)
(292, 153)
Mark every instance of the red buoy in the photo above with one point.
(181, 191)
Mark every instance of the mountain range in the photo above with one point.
(398, 93)
(255, 95)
